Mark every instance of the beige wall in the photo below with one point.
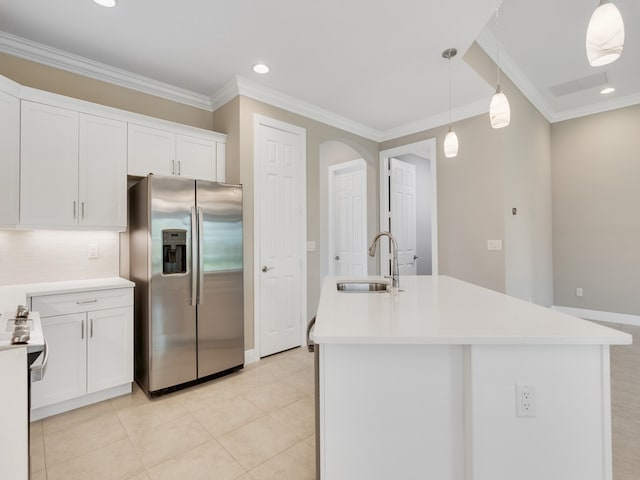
(494, 171)
(596, 225)
(317, 134)
(58, 81)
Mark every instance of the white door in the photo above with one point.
(403, 213)
(48, 165)
(280, 216)
(348, 224)
(103, 172)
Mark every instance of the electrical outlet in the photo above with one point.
(92, 250)
(494, 244)
(578, 292)
(525, 401)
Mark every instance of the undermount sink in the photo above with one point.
(362, 286)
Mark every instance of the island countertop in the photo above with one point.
(443, 310)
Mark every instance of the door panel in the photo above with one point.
(221, 300)
(109, 348)
(280, 215)
(403, 214)
(66, 376)
(349, 229)
(173, 317)
(9, 159)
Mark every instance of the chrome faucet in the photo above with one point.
(395, 276)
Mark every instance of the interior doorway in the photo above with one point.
(406, 217)
(348, 218)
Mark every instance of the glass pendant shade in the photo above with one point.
(451, 144)
(605, 35)
(499, 110)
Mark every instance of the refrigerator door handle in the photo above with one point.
(200, 257)
(194, 256)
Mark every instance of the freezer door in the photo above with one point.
(220, 288)
(172, 322)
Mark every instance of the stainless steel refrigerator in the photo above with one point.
(185, 241)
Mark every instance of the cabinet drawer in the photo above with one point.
(50, 305)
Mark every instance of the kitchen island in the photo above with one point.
(450, 381)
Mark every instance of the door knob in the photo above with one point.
(415, 257)
(337, 257)
(265, 269)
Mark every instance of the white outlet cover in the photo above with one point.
(525, 401)
(311, 246)
(494, 244)
(92, 250)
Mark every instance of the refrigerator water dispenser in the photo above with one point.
(174, 251)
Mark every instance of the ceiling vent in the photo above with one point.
(584, 83)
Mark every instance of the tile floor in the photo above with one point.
(256, 424)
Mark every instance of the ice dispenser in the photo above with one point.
(174, 251)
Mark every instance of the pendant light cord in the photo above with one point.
(498, 2)
(449, 91)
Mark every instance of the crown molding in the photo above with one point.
(601, 107)
(463, 112)
(488, 42)
(300, 107)
(52, 57)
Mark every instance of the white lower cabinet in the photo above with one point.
(90, 349)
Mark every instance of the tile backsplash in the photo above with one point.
(50, 256)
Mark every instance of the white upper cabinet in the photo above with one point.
(48, 165)
(102, 172)
(73, 169)
(9, 159)
(162, 152)
(196, 158)
(151, 151)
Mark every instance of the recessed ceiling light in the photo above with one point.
(107, 3)
(261, 68)
(604, 91)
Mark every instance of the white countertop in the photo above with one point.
(13, 295)
(444, 310)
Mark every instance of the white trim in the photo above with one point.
(81, 401)
(358, 164)
(607, 441)
(458, 114)
(250, 357)
(258, 120)
(425, 148)
(308, 110)
(224, 95)
(488, 42)
(52, 57)
(599, 315)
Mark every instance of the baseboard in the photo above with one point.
(611, 317)
(249, 356)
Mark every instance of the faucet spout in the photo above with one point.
(395, 275)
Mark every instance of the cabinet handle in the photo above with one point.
(173, 167)
(179, 167)
(91, 329)
(82, 208)
(83, 302)
(74, 209)
(82, 331)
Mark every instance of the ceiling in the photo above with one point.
(373, 67)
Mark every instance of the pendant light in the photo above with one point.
(499, 110)
(605, 35)
(451, 140)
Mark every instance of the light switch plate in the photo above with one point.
(92, 250)
(494, 244)
(311, 246)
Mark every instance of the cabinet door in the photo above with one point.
(196, 158)
(48, 166)
(151, 151)
(65, 377)
(109, 348)
(103, 172)
(9, 159)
